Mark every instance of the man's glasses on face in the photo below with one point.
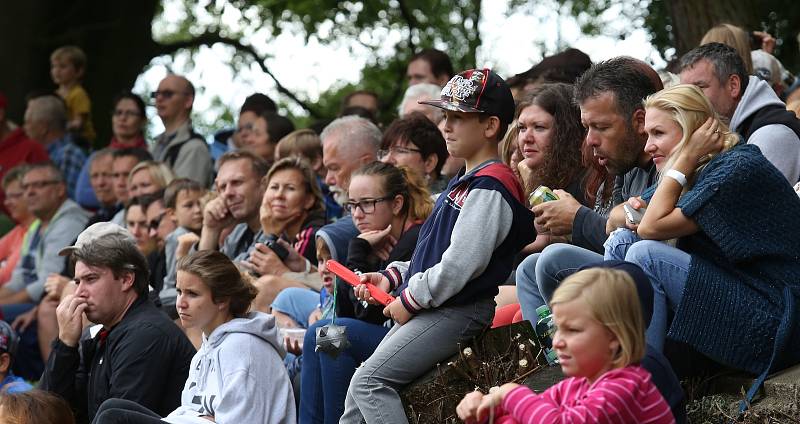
(367, 206)
(166, 94)
(154, 223)
(397, 150)
(38, 184)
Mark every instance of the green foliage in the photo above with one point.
(390, 30)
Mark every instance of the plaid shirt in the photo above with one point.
(70, 159)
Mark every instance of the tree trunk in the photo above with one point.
(692, 18)
(115, 35)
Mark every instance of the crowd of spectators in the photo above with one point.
(167, 280)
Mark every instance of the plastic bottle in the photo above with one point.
(545, 327)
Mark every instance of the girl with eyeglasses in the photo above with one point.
(388, 205)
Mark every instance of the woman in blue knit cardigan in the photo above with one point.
(719, 240)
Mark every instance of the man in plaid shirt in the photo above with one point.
(46, 122)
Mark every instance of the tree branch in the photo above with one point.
(412, 24)
(212, 37)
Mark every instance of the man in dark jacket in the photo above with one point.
(134, 352)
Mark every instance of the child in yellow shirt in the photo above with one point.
(67, 67)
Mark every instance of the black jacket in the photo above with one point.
(145, 358)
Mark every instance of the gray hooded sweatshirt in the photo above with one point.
(778, 143)
(238, 377)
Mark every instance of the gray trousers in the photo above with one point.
(405, 354)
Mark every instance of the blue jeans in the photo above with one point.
(296, 302)
(28, 362)
(666, 267)
(539, 274)
(407, 352)
(324, 380)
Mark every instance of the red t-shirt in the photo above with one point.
(15, 149)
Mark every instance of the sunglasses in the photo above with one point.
(167, 94)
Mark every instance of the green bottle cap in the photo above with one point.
(543, 311)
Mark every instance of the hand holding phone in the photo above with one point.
(634, 216)
(351, 278)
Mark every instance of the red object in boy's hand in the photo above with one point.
(351, 278)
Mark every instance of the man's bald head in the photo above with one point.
(174, 98)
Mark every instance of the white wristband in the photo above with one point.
(677, 176)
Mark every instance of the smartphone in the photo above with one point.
(634, 216)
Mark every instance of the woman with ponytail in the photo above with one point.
(388, 205)
(237, 376)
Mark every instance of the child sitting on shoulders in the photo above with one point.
(599, 341)
(67, 68)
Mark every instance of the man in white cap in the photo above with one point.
(134, 352)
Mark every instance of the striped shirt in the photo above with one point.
(623, 395)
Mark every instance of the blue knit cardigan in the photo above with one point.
(746, 251)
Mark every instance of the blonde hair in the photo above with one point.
(794, 106)
(160, 173)
(34, 407)
(304, 143)
(302, 166)
(733, 36)
(689, 108)
(612, 300)
(73, 54)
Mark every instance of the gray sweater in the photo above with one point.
(186, 152)
(67, 223)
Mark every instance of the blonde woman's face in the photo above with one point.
(142, 183)
(663, 134)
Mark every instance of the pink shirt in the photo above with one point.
(623, 395)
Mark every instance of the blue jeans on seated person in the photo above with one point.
(297, 302)
(539, 274)
(667, 268)
(325, 379)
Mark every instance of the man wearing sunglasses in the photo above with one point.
(180, 147)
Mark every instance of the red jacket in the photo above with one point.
(15, 149)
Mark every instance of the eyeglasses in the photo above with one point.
(127, 113)
(245, 128)
(38, 184)
(397, 150)
(14, 195)
(154, 223)
(167, 94)
(367, 206)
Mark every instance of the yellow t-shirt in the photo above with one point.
(78, 104)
